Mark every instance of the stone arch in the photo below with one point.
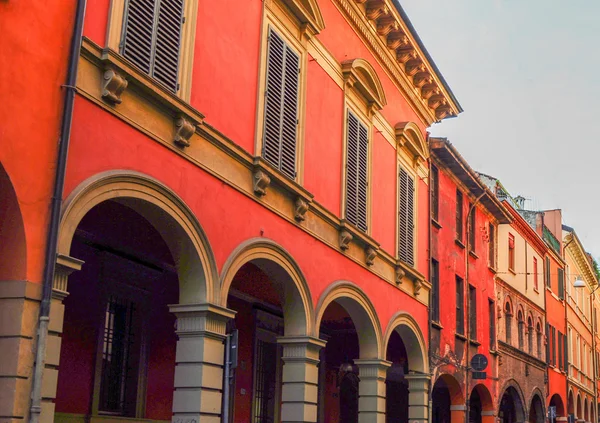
(361, 75)
(512, 388)
(456, 393)
(158, 204)
(283, 271)
(13, 246)
(363, 315)
(408, 329)
(556, 401)
(409, 135)
(570, 403)
(536, 408)
(487, 402)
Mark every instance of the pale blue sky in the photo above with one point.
(526, 74)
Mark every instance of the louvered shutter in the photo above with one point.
(138, 36)
(281, 106)
(363, 145)
(406, 217)
(168, 41)
(356, 172)
(152, 38)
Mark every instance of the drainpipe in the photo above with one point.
(468, 298)
(429, 325)
(50, 259)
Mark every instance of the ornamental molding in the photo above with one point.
(360, 75)
(308, 14)
(384, 31)
(410, 137)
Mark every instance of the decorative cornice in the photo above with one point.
(308, 14)
(359, 74)
(578, 252)
(382, 28)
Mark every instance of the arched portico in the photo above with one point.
(557, 402)
(265, 286)
(200, 324)
(481, 405)
(448, 401)
(403, 331)
(537, 412)
(347, 319)
(511, 407)
(13, 288)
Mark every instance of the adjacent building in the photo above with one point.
(581, 386)
(465, 216)
(521, 316)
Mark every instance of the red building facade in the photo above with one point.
(464, 218)
(248, 169)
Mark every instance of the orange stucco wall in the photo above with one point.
(32, 70)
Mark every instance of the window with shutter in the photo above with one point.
(152, 38)
(281, 105)
(356, 172)
(492, 246)
(459, 215)
(561, 284)
(406, 223)
(435, 193)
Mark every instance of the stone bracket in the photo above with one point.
(113, 85)
(184, 129)
(301, 206)
(349, 233)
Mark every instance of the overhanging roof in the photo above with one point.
(447, 154)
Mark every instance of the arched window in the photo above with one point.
(521, 329)
(539, 340)
(508, 322)
(530, 335)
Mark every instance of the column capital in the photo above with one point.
(194, 319)
(372, 368)
(300, 348)
(65, 265)
(417, 377)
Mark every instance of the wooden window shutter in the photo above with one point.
(406, 217)
(152, 38)
(281, 106)
(356, 172)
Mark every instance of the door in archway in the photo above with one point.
(349, 398)
(475, 407)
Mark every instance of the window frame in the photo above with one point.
(492, 323)
(460, 305)
(508, 314)
(492, 245)
(115, 31)
(473, 312)
(511, 252)
(459, 221)
(435, 291)
(435, 192)
(276, 18)
(472, 222)
(364, 120)
(536, 280)
(402, 168)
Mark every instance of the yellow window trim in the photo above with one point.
(188, 38)
(279, 18)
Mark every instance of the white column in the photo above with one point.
(418, 397)
(200, 356)
(371, 390)
(65, 265)
(299, 394)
